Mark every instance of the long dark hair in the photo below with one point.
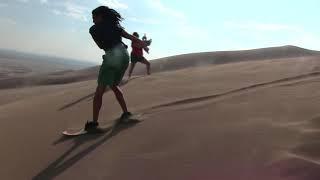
(109, 15)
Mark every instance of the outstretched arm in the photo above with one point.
(129, 36)
(138, 42)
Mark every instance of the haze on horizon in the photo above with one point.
(60, 28)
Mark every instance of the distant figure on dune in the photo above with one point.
(107, 33)
(137, 54)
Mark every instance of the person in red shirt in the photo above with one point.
(137, 55)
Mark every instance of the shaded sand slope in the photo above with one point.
(248, 120)
(162, 65)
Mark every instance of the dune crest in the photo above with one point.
(161, 65)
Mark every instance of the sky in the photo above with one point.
(61, 27)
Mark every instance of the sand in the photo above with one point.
(244, 120)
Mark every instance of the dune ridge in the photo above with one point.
(162, 65)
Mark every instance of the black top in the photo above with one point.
(106, 35)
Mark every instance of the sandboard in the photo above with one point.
(77, 132)
(135, 118)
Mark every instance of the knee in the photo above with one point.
(117, 91)
(98, 95)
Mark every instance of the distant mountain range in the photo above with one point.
(62, 63)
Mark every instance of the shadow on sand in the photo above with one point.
(90, 96)
(62, 163)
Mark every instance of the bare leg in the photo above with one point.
(97, 102)
(131, 68)
(147, 63)
(118, 93)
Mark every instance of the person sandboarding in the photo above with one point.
(107, 34)
(137, 54)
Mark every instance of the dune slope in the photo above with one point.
(246, 120)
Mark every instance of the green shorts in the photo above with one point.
(114, 65)
(135, 59)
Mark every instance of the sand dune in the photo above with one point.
(223, 57)
(243, 120)
(161, 65)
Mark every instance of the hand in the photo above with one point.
(146, 49)
(142, 44)
(148, 42)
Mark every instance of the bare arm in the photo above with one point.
(138, 42)
(129, 36)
